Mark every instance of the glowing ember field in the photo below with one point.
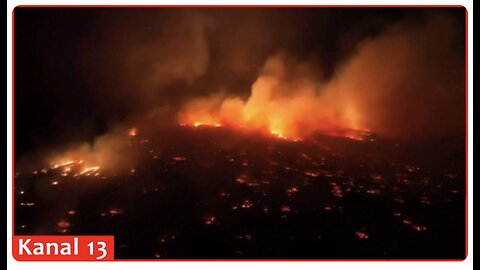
(215, 192)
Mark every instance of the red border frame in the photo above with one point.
(252, 6)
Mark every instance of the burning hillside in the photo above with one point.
(219, 192)
(243, 133)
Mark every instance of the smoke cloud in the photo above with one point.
(405, 83)
(111, 152)
(409, 82)
(292, 72)
(286, 99)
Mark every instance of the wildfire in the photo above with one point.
(275, 132)
(278, 134)
(76, 167)
(361, 235)
(132, 132)
(281, 133)
(246, 204)
(292, 190)
(89, 170)
(63, 226)
(63, 164)
(115, 211)
(208, 124)
(210, 220)
(286, 107)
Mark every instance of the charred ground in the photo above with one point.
(213, 192)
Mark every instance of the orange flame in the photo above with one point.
(89, 170)
(211, 124)
(132, 132)
(283, 107)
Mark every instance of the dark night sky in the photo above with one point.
(80, 71)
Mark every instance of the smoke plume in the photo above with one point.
(405, 83)
(291, 72)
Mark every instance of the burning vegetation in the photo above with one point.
(227, 185)
(271, 142)
(285, 107)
